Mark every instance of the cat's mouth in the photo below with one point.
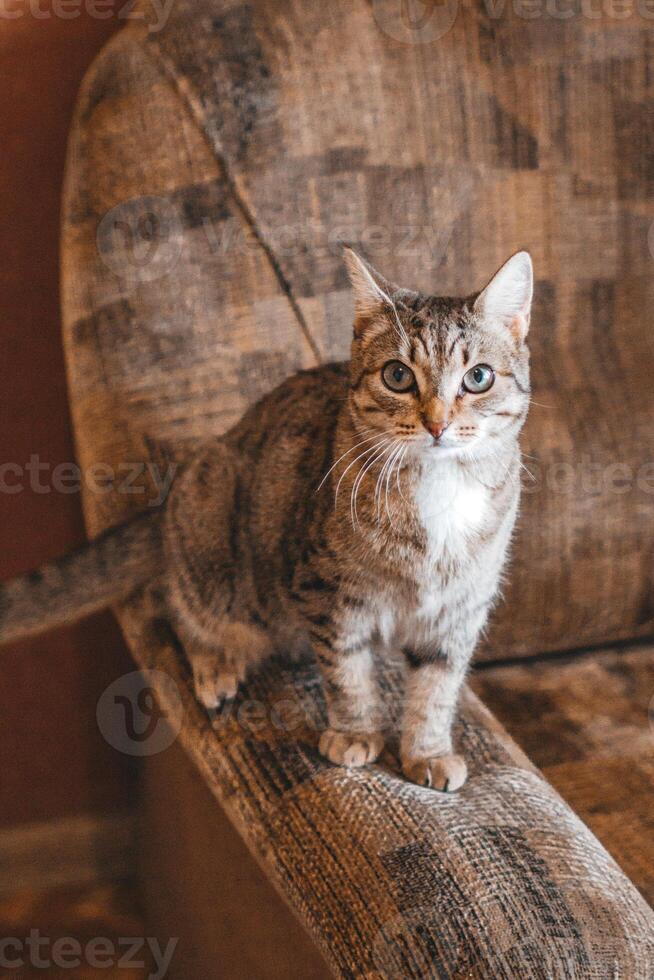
(447, 445)
(446, 449)
(435, 448)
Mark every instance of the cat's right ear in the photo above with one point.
(372, 292)
(507, 297)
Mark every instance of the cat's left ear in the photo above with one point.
(507, 297)
(371, 290)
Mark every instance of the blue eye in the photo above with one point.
(397, 376)
(478, 379)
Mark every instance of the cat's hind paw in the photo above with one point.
(350, 750)
(213, 685)
(446, 773)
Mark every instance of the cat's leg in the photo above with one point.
(213, 680)
(209, 596)
(354, 736)
(436, 669)
(432, 690)
(218, 668)
(215, 676)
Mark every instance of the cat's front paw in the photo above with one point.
(443, 772)
(350, 750)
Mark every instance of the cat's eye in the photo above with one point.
(397, 376)
(478, 379)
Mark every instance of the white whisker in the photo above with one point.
(346, 453)
(396, 455)
(404, 337)
(403, 334)
(528, 472)
(370, 449)
(359, 480)
(497, 458)
(397, 473)
(381, 477)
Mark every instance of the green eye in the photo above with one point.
(397, 376)
(479, 378)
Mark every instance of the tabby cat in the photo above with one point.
(359, 505)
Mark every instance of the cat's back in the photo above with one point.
(261, 450)
(304, 406)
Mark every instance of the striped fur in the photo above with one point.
(332, 516)
(83, 581)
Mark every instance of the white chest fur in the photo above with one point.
(452, 506)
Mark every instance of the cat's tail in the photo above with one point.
(102, 572)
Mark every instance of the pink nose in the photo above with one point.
(436, 429)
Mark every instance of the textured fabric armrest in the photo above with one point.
(501, 880)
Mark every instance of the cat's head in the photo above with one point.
(446, 376)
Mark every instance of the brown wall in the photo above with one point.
(53, 761)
